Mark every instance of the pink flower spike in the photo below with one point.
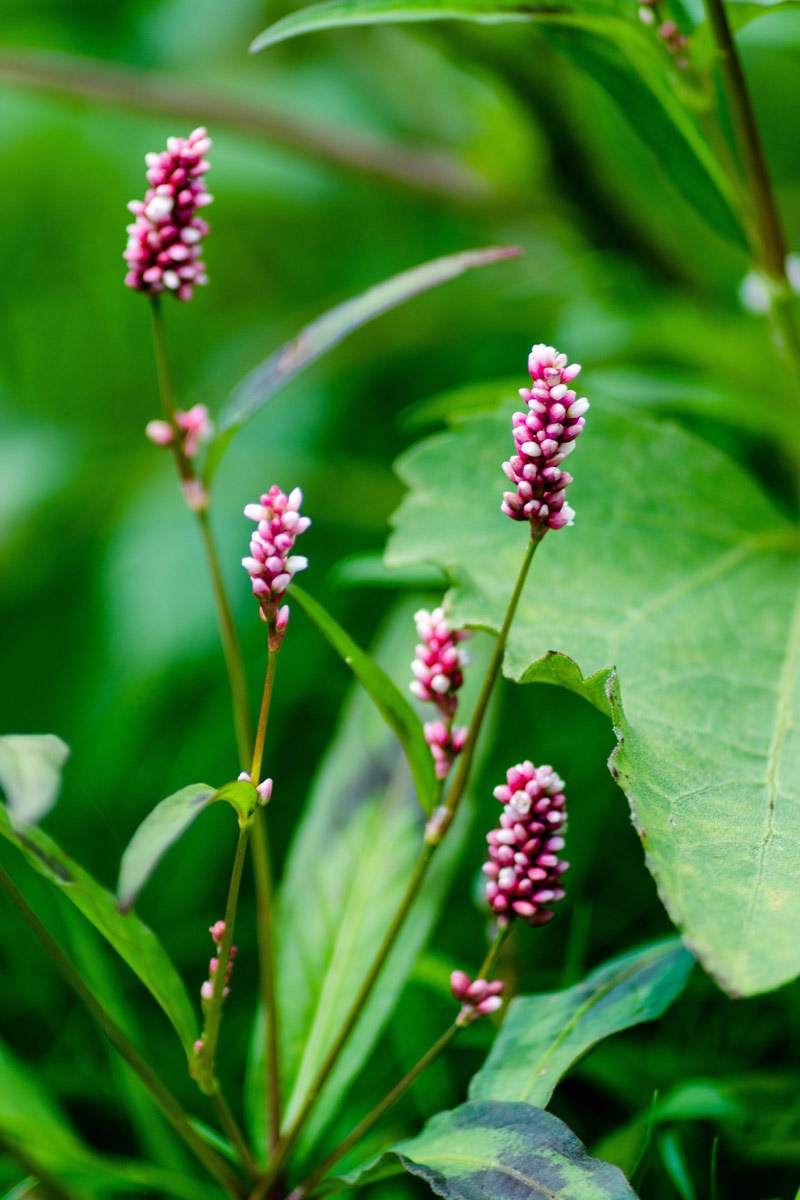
(524, 869)
(478, 998)
(270, 564)
(167, 228)
(543, 438)
(438, 676)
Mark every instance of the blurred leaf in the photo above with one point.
(390, 701)
(168, 821)
(691, 609)
(330, 329)
(674, 1160)
(130, 937)
(543, 1035)
(30, 773)
(742, 12)
(612, 47)
(492, 1151)
(348, 867)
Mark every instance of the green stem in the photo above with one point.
(167, 1103)
(261, 732)
(235, 1136)
(244, 734)
(230, 646)
(205, 1059)
(768, 229)
(287, 1143)
(166, 390)
(372, 1118)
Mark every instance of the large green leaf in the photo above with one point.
(134, 941)
(347, 871)
(543, 1035)
(167, 822)
(392, 704)
(30, 773)
(330, 329)
(490, 1150)
(679, 586)
(598, 36)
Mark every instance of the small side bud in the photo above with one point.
(160, 433)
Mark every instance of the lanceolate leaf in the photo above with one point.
(30, 773)
(348, 868)
(489, 1150)
(330, 329)
(543, 1035)
(134, 941)
(675, 593)
(392, 704)
(162, 827)
(610, 45)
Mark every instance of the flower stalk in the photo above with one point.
(768, 230)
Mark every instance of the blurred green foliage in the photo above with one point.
(108, 632)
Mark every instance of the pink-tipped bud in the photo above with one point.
(264, 790)
(477, 998)
(160, 433)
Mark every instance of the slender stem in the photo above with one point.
(287, 1143)
(213, 1013)
(261, 732)
(237, 1139)
(263, 879)
(363, 1127)
(164, 1099)
(372, 1118)
(769, 232)
(230, 646)
(244, 736)
(166, 390)
(461, 778)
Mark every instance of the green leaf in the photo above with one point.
(543, 1035)
(489, 1150)
(391, 703)
(30, 773)
(330, 329)
(622, 56)
(168, 821)
(348, 868)
(677, 593)
(134, 941)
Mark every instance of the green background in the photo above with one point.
(107, 626)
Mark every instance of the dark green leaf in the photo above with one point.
(134, 941)
(328, 330)
(491, 1150)
(678, 587)
(543, 1035)
(168, 821)
(30, 773)
(622, 56)
(391, 703)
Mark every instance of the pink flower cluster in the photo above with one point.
(544, 436)
(676, 42)
(163, 251)
(524, 868)
(270, 565)
(217, 932)
(438, 675)
(193, 427)
(478, 998)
